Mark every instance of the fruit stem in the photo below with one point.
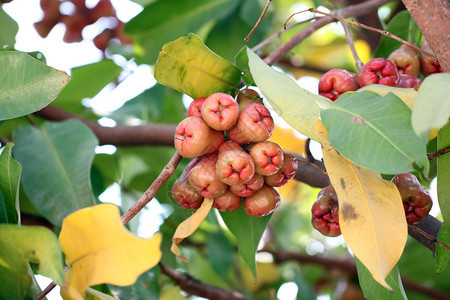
(165, 174)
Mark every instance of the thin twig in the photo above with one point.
(351, 44)
(308, 153)
(165, 174)
(438, 153)
(278, 33)
(247, 38)
(192, 286)
(383, 32)
(45, 292)
(430, 237)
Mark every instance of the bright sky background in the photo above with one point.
(135, 79)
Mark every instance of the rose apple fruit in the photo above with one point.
(262, 202)
(378, 71)
(336, 82)
(253, 125)
(220, 111)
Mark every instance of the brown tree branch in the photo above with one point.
(348, 266)
(438, 153)
(195, 287)
(433, 20)
(45, 292)
(120, 135)
(165, 174)
(353, 10)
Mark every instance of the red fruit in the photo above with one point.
(247, 96)
(80, 4)
(248, 188)
(268, 157)
(378, 70)
(183, 192)
(406, 60)
(50, 7)
(101, 41)
(220, 111)
(44, 26)
(74, 26)
(428, 65)
(408, 81)
(262, 202)
(325, 212)
(416, 199)
(195, 108)
(336, 82)
(103, 8)
(203, 177)
(286, 173)
(254, 125)
(227, 202)
(193, 137)
(234, 165)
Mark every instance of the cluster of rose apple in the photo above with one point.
(233, 163)
(400, 69)
(82, 17)
(416, 202)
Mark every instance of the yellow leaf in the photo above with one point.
(371, 214)
(99, 249)
(407, 95)
(189, 226)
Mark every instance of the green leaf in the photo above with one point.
(56, 160)
(241, 61)
(375, 132)
(219, 252)
(26, 84)
(10, 171)
(403, 26)
(158, 104)
(164, 21)
(373, 290)
(442, 254)
(298, 107)
(248, 232)
(227, 36)
(188, 66)
(8, 30)
(443, 175)
(87, 81)
(20, 246)
(432, 106)
(146, 287)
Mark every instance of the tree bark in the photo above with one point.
(433, 19)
